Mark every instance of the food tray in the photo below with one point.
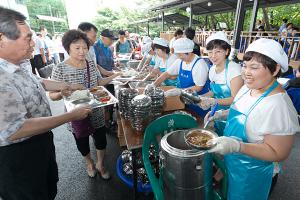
(211, 134)
(91, 101)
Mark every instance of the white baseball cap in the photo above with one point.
(161, 42)
(147, 47)
(271, 49)
(183, 45)
(146, 39)
(220, 35)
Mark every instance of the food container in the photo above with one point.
(186, 172)
(198, 138)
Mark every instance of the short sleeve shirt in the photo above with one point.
(233, 71)
(69, 74)
(274, 115)
(199, 72)
(22, 97)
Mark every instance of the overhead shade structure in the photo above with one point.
(208, 7)
(49, 18)
(175, 19)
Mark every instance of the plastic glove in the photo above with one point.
(224, 145)
(207, 102)
(219, 115)
(150, 86)
(173, 92)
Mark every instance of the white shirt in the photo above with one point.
(199, 73)
(165, 65)
(172, 42)
(275, 115)
(233, 71)
(91, 55)
(38, 45)
(22, 97)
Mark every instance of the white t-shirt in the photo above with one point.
(172, 42)
(91, 55)
(275, 115)
(199, 73)
(165, 65)
(38, 45)
(233, 71)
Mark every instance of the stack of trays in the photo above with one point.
(125, 96)
(140, 112)
(158, 100)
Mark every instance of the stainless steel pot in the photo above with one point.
(186, 173)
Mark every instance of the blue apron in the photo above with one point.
(221, 91)
(104, 56)
(185, 80)
(168, 82)
(124, 47)
(248, 178)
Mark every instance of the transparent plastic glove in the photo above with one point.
(207, 102)
(219, 115)
(173, 92)
(224, 145)
(150, 87)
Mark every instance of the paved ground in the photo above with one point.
(76, 185)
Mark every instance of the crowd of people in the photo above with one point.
(245, 97)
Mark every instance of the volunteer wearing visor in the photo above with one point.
(163, 62)
(225, 77)
(260, 126)
(191, 70)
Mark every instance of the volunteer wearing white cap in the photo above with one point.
(148, 57)
(225, 77)
(164, 61)
(260, 126)
(146, 40)
(192, 71)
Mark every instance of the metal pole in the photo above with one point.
(52, 19)
(238, 27)
(148, 28)
(254, 15)
(191, 16)
(163, 20)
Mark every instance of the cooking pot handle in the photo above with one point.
(162, 160)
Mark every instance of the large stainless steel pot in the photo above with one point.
(186, 173)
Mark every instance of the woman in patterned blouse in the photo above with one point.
(74, 70)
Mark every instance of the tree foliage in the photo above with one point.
(124, 18)
(55, 8)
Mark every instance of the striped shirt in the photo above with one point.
(67, 73)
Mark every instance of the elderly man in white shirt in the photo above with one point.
(27, 155)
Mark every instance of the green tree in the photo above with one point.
(55, 8)
(122, 20)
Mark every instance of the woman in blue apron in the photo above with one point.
(225, 77)
(256, 135)
(164, 61)
(192, 71)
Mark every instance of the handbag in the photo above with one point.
(46, 71)
(83, 128)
